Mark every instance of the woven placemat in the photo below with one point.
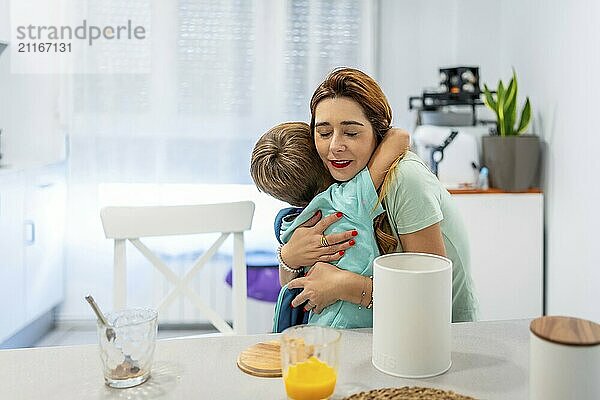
(408, 393)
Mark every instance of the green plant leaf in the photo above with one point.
(511, 92)
(525, 117)
(500, 88)
(501, 99)
(488, 99)
(510, 115)
(510, 110)
(510, 107)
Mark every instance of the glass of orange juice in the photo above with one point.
(309, 361)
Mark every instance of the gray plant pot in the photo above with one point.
(512, 161)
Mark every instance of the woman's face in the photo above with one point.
(344, 138)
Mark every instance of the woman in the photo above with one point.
(349, 117)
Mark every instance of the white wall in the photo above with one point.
(553, 46)
(415, 39)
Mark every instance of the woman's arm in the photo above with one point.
(428, 240)
(304, 247)
(325, 284)
(286, 276)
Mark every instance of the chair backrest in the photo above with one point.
(136, 222)
(132, 223)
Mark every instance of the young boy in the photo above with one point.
(286, 165)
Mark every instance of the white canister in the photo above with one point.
(412, 313)
(564, 359)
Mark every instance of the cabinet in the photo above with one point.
(32, 214)
(44, 221)
(12, 278)
(506, 235)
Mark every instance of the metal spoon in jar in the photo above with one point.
(110, 332)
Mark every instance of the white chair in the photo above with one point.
(133, 223)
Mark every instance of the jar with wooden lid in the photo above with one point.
(564, 359)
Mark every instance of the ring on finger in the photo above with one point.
(324, 242)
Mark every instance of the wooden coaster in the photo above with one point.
(408, 393)
(262, 359)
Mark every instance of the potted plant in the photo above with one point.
(511, 157)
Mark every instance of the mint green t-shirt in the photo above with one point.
(416, 200)
(357, 199)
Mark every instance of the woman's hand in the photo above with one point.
(304, 247)
(320, 286)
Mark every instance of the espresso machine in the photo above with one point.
(448, 133)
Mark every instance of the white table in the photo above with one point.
(490, 360)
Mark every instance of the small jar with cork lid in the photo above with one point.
(564, 359)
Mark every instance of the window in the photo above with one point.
(220, 74)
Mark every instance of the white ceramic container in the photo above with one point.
(564, 359)
(412, 312)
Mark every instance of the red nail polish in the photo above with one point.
(339, 214)
(293, 306)
(354, 233)
(352, 242)
(305, 310)
(341, 252)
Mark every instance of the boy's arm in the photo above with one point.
(394, 144)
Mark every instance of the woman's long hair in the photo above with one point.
(360, 87)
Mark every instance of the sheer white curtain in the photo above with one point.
(220, 73)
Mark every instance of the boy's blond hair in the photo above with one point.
(286, 165)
